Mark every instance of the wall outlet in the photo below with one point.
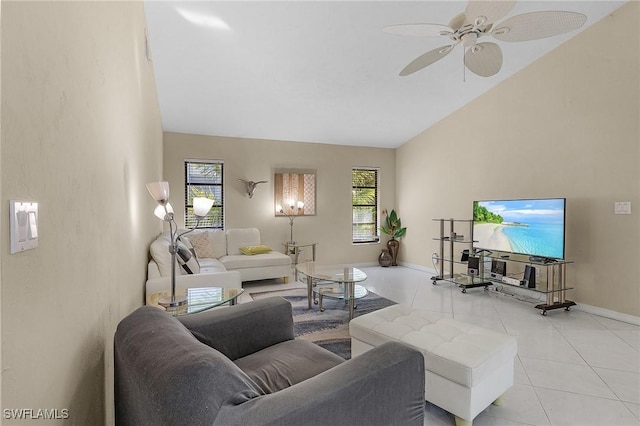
(622, 207)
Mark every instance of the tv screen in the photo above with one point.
(532, 227)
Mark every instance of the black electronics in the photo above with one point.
(465, 256)
(473, 265)
(498, 269)
(529, 276)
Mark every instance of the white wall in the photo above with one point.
(81, 135)
(253, 159)
(566, 126)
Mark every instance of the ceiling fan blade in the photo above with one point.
(487, 11)
(427, 59)
(537, 25)
(418, 30)
(484, 59)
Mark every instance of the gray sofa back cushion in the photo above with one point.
(165, 376)
(225, 329)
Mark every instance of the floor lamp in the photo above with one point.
(291, 213)
(201, 206)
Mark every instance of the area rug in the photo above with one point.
(329, 329)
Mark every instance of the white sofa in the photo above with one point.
(219, 260)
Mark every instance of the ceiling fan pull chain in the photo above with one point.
(464, 67)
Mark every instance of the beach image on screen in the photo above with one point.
(532, 227)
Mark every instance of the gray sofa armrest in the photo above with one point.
(384, 386)
(243, 329)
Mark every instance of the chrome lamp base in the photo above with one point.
(172, 302)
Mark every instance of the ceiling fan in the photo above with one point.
(479, 20)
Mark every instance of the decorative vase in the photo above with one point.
(385, 258)
(394, 246)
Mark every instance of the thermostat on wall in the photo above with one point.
(24, 225)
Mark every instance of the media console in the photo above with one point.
(469, 267)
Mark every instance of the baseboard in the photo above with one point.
(607, 313)
(418, 267)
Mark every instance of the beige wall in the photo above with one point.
(81, 135)
(255, 160)
(566, 126)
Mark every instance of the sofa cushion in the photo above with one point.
(240, 261)
(209, 265)
(202, 244)
(187, 261)
(251, 250)
(241, 237)
(218, 238)
(159, 250)
(285, 364)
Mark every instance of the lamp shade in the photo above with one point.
(201, 206)
(161, 211)
(159, 191)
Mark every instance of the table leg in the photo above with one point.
(309, 289)
(352, 299)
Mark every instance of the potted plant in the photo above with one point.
(393, 227)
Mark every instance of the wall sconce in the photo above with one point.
(291, 210)
(163, 211)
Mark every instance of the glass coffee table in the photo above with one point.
(198, 299)
(334, 281)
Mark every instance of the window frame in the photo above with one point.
(375, 237)
(215, 218)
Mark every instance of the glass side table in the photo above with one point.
(294, 248)
(198, 299)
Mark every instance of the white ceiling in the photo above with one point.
(319, 71)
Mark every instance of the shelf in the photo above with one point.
(549, 276)
(516, 258)
(536, 289)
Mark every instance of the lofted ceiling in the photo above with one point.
(320, 71)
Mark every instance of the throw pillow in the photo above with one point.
(200, 242)
(251, 250)
(186, 260)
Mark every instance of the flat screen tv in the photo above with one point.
(533, 227)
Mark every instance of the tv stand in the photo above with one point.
(551, 274)
(452, 239)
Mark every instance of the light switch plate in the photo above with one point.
(24, 225)
(622, 207)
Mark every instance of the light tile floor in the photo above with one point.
(572, 368)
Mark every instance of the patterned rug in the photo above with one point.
(329, 329)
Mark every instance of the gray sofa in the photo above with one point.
(242, 366)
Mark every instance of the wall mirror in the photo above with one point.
(294, 192)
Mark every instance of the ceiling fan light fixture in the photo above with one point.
(469, 39)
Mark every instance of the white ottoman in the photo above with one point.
(467, 367)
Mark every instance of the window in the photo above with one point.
(364, 200)
(204, 179)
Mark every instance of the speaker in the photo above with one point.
(529, 276)
(498, 269)
(473, 265)
(465, 255)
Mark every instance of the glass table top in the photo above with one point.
(198, 299)
(334, 273)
